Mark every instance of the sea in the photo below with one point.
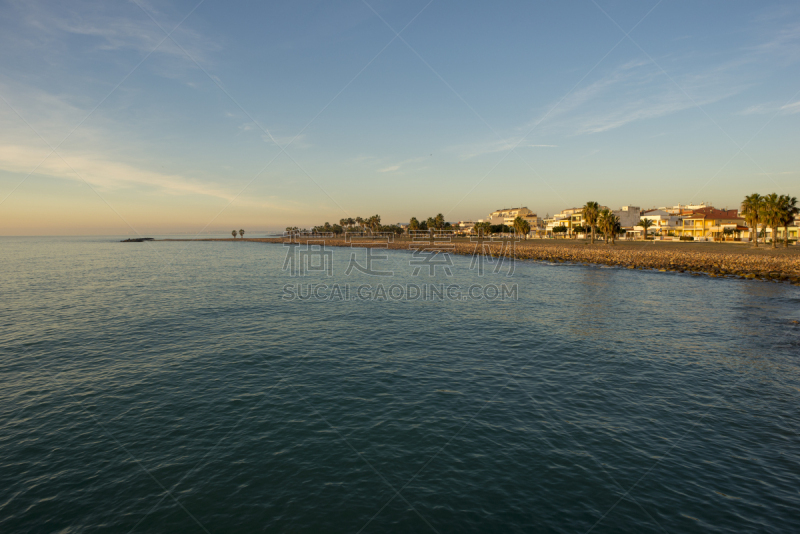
(234, 386)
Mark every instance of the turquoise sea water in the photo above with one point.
(170, 387)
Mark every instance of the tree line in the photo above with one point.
(771, 211)
(603, 220)
(431, 223)
(358, 224)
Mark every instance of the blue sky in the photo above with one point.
(266, 115)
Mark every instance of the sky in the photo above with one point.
(139, 117)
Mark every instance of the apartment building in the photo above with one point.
(507, 216)
(664, 222)
(709, 222)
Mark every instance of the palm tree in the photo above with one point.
(521, 226)
(645, 223)
(234, 234)
(591, 211)
(439, 220)
(616, 228)
(373, 223)
(605, 222)
(789, 211)
(751, 208)
(526, 228)
(771, 215)
(241, 233)
(360, 222)
(483, 228)
(413, 224)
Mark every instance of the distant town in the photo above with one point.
(771, 218)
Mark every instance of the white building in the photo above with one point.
(466, 227)
(628, 216)
(507, 216)
(680, 209)
(663, 222)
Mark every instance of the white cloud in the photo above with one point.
(791, 109)
(97, 151)
(772, 108)
(390, 169)
(638, 91)
(100, 172)
(758, 109)
(115, 26)
(283, 141)
(501, 145)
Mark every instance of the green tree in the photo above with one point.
(577, 229)
(483, 228)
(591, 211)
(771, 214)
(751, 208)
(375, 223)
(616, 230)
(609, 225)
(233, 233)
(789, 212)
(439, 221)
(645, 223)
(604, 224)
(521, 226)
(413, 224)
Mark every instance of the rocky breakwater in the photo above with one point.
(766, 265)
(714, 264)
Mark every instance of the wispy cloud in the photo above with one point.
(631, 92)
(397, 166)
(502, 145)
(637, 91)
(772, 108)
(112, 26)
(791, 109)
(94, 152)
(758, 109)
(284, 140)
(100, 172)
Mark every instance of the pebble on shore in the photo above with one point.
(714, 264)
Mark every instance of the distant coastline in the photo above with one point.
(711, 259)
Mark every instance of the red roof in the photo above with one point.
(713, 213)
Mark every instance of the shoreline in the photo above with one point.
(729, 260)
